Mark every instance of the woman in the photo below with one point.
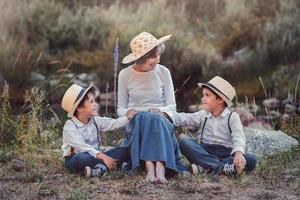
(146, 94)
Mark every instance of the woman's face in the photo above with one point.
(150, 63)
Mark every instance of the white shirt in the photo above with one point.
(216, 130)
(83, 137)
(144, 90)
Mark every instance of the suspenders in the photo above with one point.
(230, 131)
(98, 134)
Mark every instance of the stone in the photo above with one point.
(18, 164)
(267, 142)
(271, 103)
(245, 115)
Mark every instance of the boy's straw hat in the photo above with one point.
(142, 44)
(222, 88)
(73, 97)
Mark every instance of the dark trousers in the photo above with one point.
(79, 161)
(211, 157)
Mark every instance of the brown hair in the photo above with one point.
(81, 104)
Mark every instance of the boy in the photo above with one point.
(220, 143)
(80, 134)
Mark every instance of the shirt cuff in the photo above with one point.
(235, 149)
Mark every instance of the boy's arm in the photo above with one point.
(76, 141)
(238, 136)
(189, 119)
(170, 102)
(122, 94)
(109, 124)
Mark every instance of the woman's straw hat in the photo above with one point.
(222, 88)
(73, 97)
(142, 44)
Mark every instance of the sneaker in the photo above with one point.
(125, 166)
(197, 169)
(89, 172)
(229, 169)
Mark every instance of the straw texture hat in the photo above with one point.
(73, 97)
(222, 88)
(142, 44)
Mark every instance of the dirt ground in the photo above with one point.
(47, 180)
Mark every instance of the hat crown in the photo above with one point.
(70, 97)
(223, 86)
(142, 43)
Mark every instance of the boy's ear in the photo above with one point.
(221, 101)
(79, 108)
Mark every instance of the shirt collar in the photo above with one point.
(79, 123)
(224, 113)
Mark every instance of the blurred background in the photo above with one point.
(45, 45)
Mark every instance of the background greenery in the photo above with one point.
(237, 39)
(47, 44)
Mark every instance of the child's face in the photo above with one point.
(90, 106)
(210, 101)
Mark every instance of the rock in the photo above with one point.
(271, 103)
(285, 118)
(37, 77)
(267, 142)
(18, 164)
(289, 108)
(288, 100)
(245, 115)
(259, 125)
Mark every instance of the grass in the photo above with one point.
(209, 42)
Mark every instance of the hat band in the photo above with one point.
(79, 95)
(210, 85)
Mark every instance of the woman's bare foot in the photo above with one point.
(150, 171)
(160, 172)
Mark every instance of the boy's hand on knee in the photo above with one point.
(239, 161)
(108, 161)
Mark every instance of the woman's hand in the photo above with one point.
(108, 161)
(239, 161)
(130, 113)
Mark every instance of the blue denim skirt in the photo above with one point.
(151, 137)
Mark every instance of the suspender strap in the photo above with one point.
(98, 132)
(229, 123)
(203, 129)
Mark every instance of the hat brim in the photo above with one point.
(131, 57)
(71, 113)
(227, 101)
